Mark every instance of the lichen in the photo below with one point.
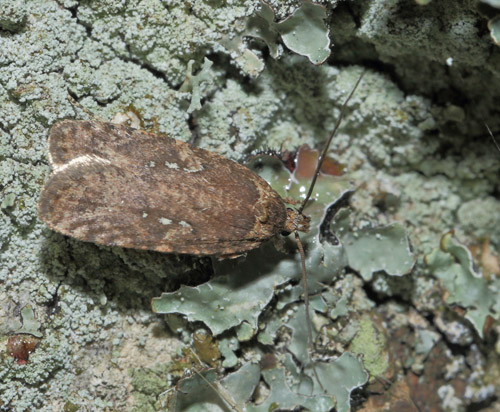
(302, 32)
(453, 264)
(370, 249)
(413, 143)
(371, 343)
(30, 323)
(13, 15)
(195, 83)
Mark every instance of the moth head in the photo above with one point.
(295, 221)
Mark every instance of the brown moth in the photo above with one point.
(118, 186)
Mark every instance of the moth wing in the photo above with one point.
(72, 139)
(194, 202)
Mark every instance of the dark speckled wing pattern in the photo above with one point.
(115, 185)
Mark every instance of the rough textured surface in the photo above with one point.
(413, 143)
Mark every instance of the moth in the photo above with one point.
(118, 186)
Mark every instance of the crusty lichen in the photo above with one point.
(413, 143)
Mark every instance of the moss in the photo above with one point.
(371, 343)
(148, 381)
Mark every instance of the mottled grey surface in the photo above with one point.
(413, 142)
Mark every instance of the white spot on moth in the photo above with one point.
(193, 170)
(172, 165)
(144, 215)
(152, 164)
(80, 160)
(165, 221)
(184, 224)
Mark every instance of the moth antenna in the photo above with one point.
(493, 137)
(77, 105)
(327, 145)
(306, 306)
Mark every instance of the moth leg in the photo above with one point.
(77, 105)
(231, 256)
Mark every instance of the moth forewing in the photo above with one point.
(119, 186)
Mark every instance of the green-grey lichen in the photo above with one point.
(377, 249)
(412, 142)
(119, 84)
(30, 324)
(245, 332)
(238, 387)
(8, 201)
(227, 348)
(303, 32)
(194, 83)
(343, 376)
(298, 344)
(281, 396)
(13, 14)
(247, 60)
(235, 390)
(481, 218)
(371, 343)
(163, 37)
(426, 340)
(452, 263)
(195, 392)
(148, 384)
(237, 298)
